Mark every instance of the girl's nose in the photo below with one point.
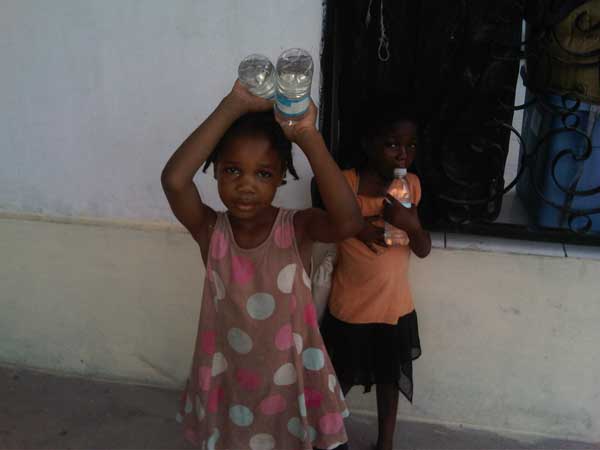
(246, 184)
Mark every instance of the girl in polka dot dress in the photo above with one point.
(261, 378)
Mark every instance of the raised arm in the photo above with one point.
(342, 218)
(178, 175)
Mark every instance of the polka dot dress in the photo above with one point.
(261, 378)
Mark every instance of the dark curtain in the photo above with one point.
(456, 63)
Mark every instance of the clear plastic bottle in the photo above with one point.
(294, 70)
(257, 73)
(400, 190)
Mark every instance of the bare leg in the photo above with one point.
(387, 408)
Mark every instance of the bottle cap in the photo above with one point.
(400, 172)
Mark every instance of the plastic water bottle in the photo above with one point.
(294, 77)
(257, 74)
(400, 190)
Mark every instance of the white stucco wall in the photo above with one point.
(510, 342)
(97, 94)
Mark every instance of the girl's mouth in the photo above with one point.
(245, 206)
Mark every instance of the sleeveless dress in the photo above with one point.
(261, 378)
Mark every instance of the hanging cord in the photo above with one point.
(383, 52)
(368, 17)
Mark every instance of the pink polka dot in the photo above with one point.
(219, 245)
(331, 423)
(247, 379)
(243, 269)
(292, 303)
(215, 396)
(312, 398)
(191, 437)
(204, 374)
(283, 339)
(310, 315)
(274, 404)
(207, 341)
(283, 236)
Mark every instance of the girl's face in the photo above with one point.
(248, 173)
(395, 147)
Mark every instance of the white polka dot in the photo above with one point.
(262, 442)
(302, 405)
(179, 418)
(296, 428)
(335, 445)
(219, 364)
(345, 413)
(306, 279)
(219, 286)
(285, 375)
(212, 441)
(239, 341)
(188, 405)
(285, 279)
(241, 416)
(332, 381)
(298, 343)
(312, 434)
(342, 395)
(313, 359)
(200, 412)
(260, 306)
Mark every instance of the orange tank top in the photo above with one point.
(370, 288)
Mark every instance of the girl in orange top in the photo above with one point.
(371, 330)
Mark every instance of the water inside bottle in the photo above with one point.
(256, 72)
(294, 73)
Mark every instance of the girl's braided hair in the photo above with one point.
(258, 124)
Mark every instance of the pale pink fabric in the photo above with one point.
(261, 378)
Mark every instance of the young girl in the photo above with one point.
(371, 329)
(261, 378)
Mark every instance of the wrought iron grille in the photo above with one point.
(464, 144)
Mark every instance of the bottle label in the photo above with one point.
(292, 107)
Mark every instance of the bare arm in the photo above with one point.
(178, 175)
(342, 218)
(420, 242)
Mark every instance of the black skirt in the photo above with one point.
(373, 353)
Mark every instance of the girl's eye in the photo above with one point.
(412, 147)
(264, 174)
(232, 170)
(393, 145)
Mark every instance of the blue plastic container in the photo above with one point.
(545, 135)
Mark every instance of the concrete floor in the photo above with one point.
(41, 411)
